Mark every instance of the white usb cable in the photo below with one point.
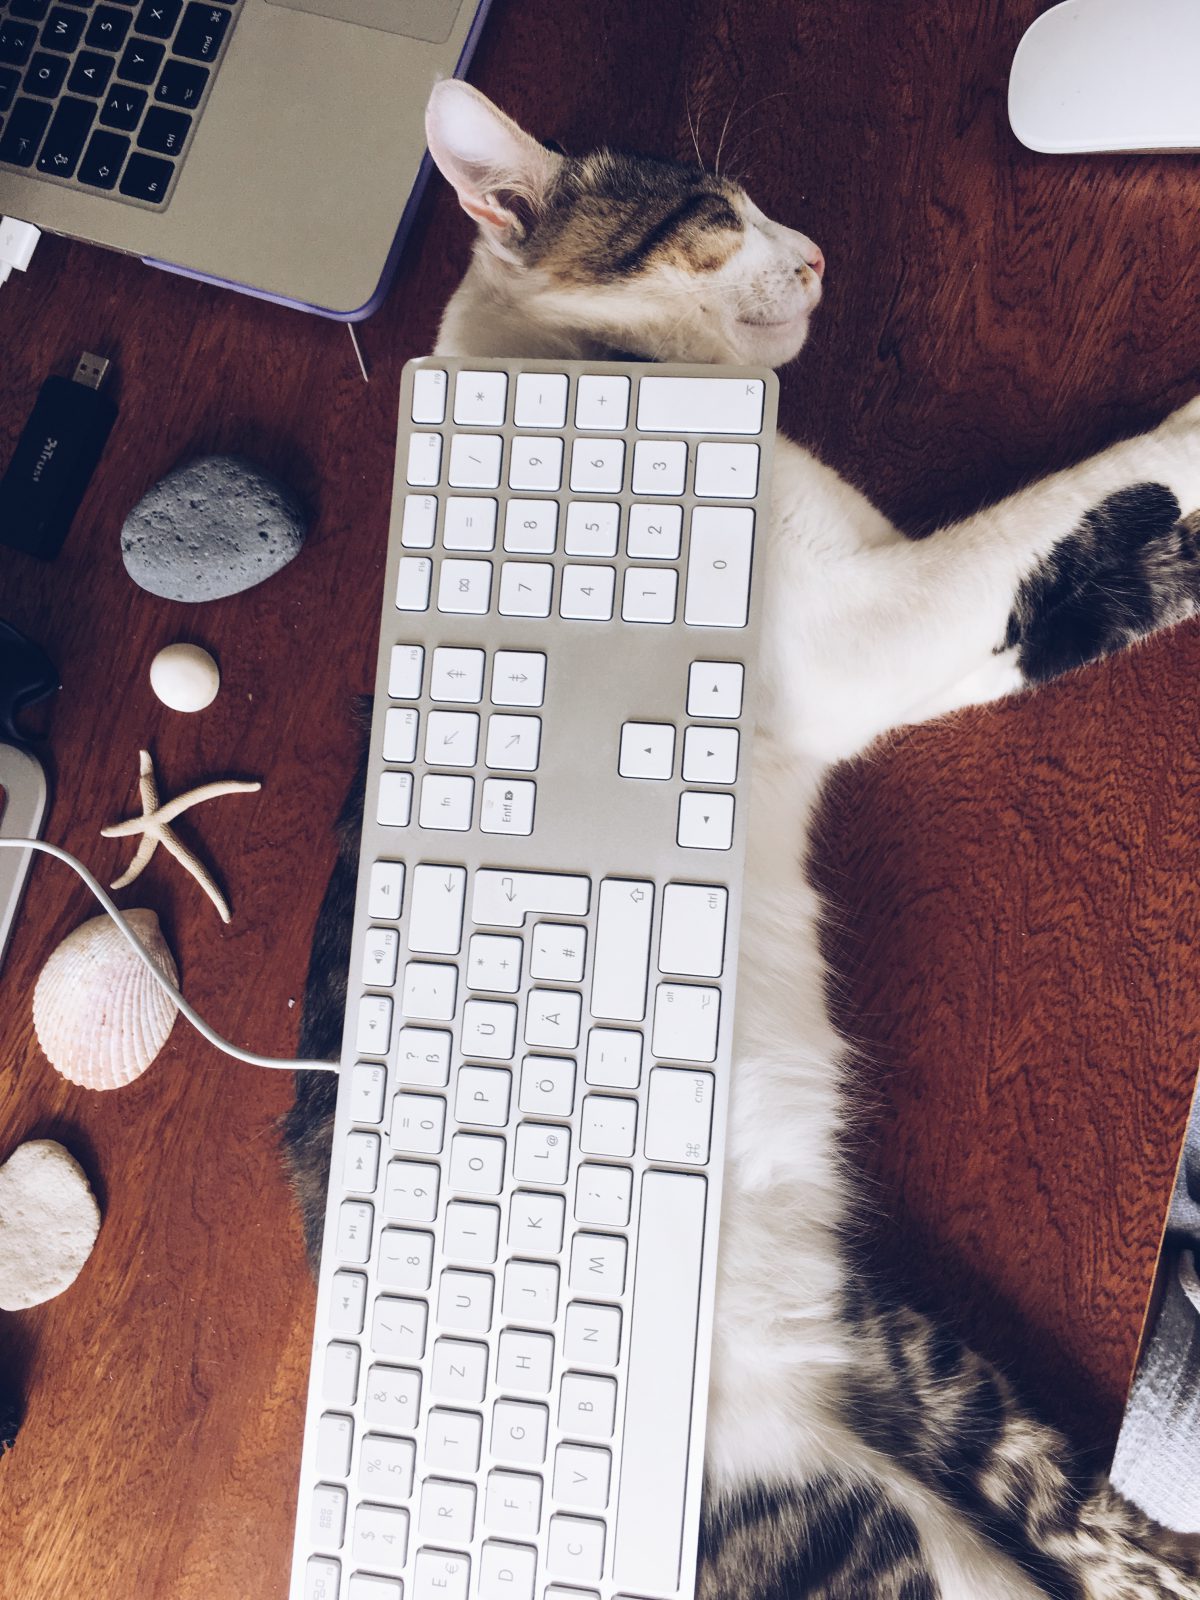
(18, 241)
(196, 1020)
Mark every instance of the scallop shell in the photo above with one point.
(99, 1015)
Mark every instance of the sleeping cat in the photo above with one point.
(854, 1451)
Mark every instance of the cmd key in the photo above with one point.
(201, 32)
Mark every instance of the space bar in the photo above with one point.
(658, 1391)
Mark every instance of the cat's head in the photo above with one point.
(663, 261)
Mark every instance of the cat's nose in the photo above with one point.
(814, 258)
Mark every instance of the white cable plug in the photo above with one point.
(193, 1016)
(18, 241)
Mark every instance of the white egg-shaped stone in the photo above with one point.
(185, 677)
(49, 1220)
(99, 1015)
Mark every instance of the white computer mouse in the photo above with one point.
(1109, 75)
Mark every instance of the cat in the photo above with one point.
(855, 1451)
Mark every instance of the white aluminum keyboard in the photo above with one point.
(513, 1321)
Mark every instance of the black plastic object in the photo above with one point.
(27, 675)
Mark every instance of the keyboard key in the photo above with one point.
(470, 523)
(648, 1536)
(530, 1295)
(514, 742)
(475, 460)
(367, 1586)
(405, 1259)
(201, 32)
(547, 1086)
(447, 802)
(424, 459)
(519, 1431)
(602, 402)
(451, 738)
(489, 1029)
(518, 678)
(321, 1578)
(726, 471)
(340, 1376)
(385, 895)
(542, 1153)
(494, 962)
(541, 400)
(123, 107)
(483, 1093)
(513, 1503)
(587, 593)
(621, 964)
(29, 10)
(531, 526)
(525, 589)
(576, 1548)
(429, 395)
(394, 801)
(598, 1265)
(335, 1440)
(472, 1230)
(440, 1575)
(23, 131)
(525, 1361)
(647, 750)
(62, 30)
(140, 61)
(453, 1440)
(9, 79)
(44, 75)
(581, 1475)
(480, 398)
(609, 1126)
(430, 989)
(381, 1535)
(597, 466)
(507, 806)
(504, 899)
(405, 671)
(692, 937)
(355, 1222)
(381, 949)
(181, 84)
(385, 1467)
(90, 74)
(158, 18)
(593, 528)
(63, 144)
(557, 952)
(592, 1335)
(17, 40)
(374, 1024)
(614, 1058)
(164, 131)
(535, 463)
(418, 1123)
(715, 689)
(423, 1056)
(410, 1191)
(465, 1301)
(700, 405)
(360, 1166)
(507, 1569)
(603, 1194)
(147, 177)
(552, 1018)
(710, 755)
(655, 532)
(107, 28)
(400, 728)
(347, 1302)
(718, 574)
(705, 821)
(459, 1370)
(649, 594)
(679, 1116)
(476, 1163)
(419, 525)
(587, 1406)
(398, 1328)
(368, 1086)
(465, 587)
(535, 1222)
(660, 466)
(436, 908)
(686, 1016)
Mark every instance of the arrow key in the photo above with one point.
(710, 755)
(647, 750)
(457, 676)
(705, 821)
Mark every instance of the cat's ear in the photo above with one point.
(501, 174)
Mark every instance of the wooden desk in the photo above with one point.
(1019, 917)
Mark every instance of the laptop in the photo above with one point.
(274, 146)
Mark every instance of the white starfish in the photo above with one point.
(155, 827)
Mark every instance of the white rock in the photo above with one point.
(49, 1220)
(185, 677)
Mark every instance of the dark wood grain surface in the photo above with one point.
(1018, 919)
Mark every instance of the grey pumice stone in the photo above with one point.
(49, 1220)
(211, 528)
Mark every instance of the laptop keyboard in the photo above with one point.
(104, 97)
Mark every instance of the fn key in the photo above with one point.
(147, 178)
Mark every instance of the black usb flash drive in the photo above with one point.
(54, 459)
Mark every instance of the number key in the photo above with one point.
(16, 42)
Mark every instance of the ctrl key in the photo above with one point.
(322, 1578)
